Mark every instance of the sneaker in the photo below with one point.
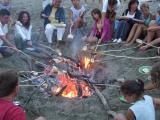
(119, 40)
(115, 40)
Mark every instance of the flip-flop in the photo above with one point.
(123, 100)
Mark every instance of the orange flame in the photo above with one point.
(72, 91)
(87, 61)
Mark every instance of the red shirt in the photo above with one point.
(9, 111)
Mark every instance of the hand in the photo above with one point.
(81, 14)
(141, 22)
(99, 41)
(29, 43)
(151, 29)
(71, 22)
(45, 16)
(15, 49)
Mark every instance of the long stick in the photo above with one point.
(107, 85)
(47, 47)
(31, 79)
(28, 85)
(118, 50)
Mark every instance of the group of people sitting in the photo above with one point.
(130, 27)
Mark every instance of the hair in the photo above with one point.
(144, 4)
(132, 2)
(20, 18)
(4, 12)
(96, 11)
(155, 75)
(112, 2)
(131, 87)
(8, 82)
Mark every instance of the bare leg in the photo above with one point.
(119, 117)
(93, 39)
(78, 23)
(131, 34)
(137, 34)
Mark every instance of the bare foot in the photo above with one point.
(143, 48)
(129, 44)
(124, 42)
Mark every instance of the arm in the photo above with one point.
(130, 115)
(94, 29)
(105, 28)
(149, 86)
(154, 42)
(62, 16)
(156, 102)
(71, 17)
(29, 33)
(137, 16)
(43, 13)
(104, 10)
(19, 31)
(153, 17)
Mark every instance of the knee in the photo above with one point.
(49, 27)
(153, 23)
(17, 37)
(119, 117)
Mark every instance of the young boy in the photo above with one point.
(5, 4)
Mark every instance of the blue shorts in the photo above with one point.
(3, 49)
(158, 20)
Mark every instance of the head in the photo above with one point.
(133, 4)
(145, 9)
(24, 18)
(112, 3)
(4, 16)
(96, 14)
(158, 9)
(56, 3)
(6, 2)
(75, 2)
(8, 83)
(155, 75)
(132, 89)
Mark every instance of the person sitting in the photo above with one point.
(53, 14)
(109, 11)
(125, 25)
(5, 4)
(4, 37)
(23, 35)
(9, 88)
(99, 33)
(137, 29)
(153, 33)
(143, 107)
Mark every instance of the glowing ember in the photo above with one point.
(72, 89)
(87, 61)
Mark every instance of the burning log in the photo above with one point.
(79, 88)
(61, 91)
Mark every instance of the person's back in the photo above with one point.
(5, 4)
(144, 109)
(9, 111)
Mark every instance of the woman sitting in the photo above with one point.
(137, 29)
(99, 33)
(153, 32)
(125, 24)
(23, 35)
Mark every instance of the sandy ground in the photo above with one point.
(91, 108)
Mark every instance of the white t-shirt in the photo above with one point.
(116, 7)
(3, 31)
(144, 109)
(23, 32)
(76, 12)
(130, 16)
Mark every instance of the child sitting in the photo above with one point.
(76, 15)
(143, 108)
(5, 4)
(99, 33)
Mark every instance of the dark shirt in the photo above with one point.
(137, 16)
(59, 15)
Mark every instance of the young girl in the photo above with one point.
(125, 25)
(153, 32)
(137, 29)
(76, 15)
(109, 10)
(99, 33)
(5, 4)
(143, 108)
(23, 36)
